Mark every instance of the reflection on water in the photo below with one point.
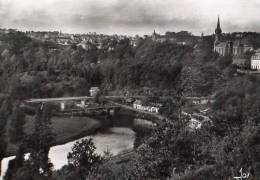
(114, 139)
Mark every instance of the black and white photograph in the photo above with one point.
(129, 89)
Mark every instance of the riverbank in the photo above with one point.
(113, 139)
(117, 134)
(66, 129)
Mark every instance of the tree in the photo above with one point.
(15, 164)
(39, 143)
(83, 159)
(83, 154)
(102, 172)
(239, 150)
(170, 146)
(5, 111)
(235, 103)
(97, 97)
(16, 131)
(183, 87)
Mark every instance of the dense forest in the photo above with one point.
(30, 69)
(44, 69)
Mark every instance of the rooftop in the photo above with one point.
(222, 44)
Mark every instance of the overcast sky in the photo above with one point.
(130, 16)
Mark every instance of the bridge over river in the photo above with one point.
(157, 118)
(111, 106)
(64, 100)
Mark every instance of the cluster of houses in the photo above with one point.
(6, 31)
(86, 41)
(196, 119)
(180, 38)
(151, 107)
(201, 100)
(242, 52)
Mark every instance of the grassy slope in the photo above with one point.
(65, 128)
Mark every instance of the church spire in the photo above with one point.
(218, 26)
(154, 33)
(218, 30)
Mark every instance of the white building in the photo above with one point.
(194, 124)
(94, 91)
(255, 61)
(154, 108)
(138, 105)
(62, 106)
(82, 104)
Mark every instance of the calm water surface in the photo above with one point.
(115, 139)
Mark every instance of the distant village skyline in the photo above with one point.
(124, 17)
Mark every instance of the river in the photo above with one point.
(115, 139)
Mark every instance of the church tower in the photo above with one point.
(218, 32)
(154, 35)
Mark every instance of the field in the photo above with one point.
(65, 129)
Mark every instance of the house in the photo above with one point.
(201, 100)
(242, 61)
(181, 43)
(241, 54)
(255, 60)
(85, 45)
(94, 91)
(158, 38)
(155, 107)
(195, 124)
(152, 107)
(248, 47)
(138, 105)
(82, 104)
(181, 38)
(240, 48)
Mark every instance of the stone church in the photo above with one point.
(239, 49)
(223, 48)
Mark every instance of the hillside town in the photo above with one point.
(175, 105)
(86, 41)
(243, 54)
